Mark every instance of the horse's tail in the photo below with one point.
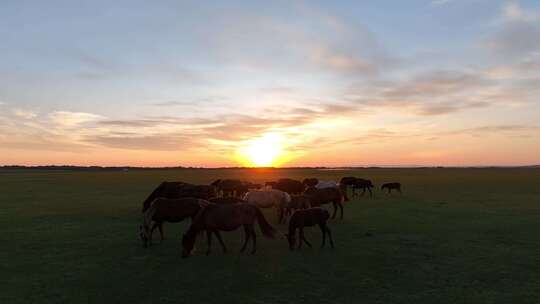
(266, 229)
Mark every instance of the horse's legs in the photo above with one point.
(247, 235)
(160, 227)
(335, 210)
(341, 209)
(252, 231)
(370, 192)
(154, 226)
(303, 238)
(323, 230)
(300, 232)
(218, 235)
(209, 235)
(329, 235)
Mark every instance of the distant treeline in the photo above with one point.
(128, 168)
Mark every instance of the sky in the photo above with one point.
(280, 83)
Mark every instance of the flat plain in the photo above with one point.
(453, 236)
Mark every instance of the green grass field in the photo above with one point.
(454, 236)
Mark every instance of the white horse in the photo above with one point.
(268, 199)
(327, 184)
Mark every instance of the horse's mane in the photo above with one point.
(148, 201)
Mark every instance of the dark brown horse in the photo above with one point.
(233, 187)
(310, 182)
(214, 218)
(391, 186)
(179, 190)
(298, 202)
(356, 183)
(227, 200)
(289, 185)
(308, 218)
(167, 210)
(318, 197)
(363, 184)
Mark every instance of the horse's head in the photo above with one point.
(188, 242)
(310, 190)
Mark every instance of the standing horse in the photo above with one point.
(318, 197)
(268, 199)
(179, 190)
(214, 218)
(391, 186)
(167, 210)
(308, 218)
(364, 184)
(226, 200)
(290, 186)
(310, 182)
(298, 202)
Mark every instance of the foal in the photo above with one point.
(307, 218)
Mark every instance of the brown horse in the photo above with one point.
(308, 218)
(167, 210)
(214, 218)
(318, 197)
(229, 200)
(179, 190)
(310, 182)
(298, 202)
(391, 186)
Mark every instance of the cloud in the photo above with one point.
(518, 31)
(24, 114)
(435, 92)
(512, 11)
(71, 119)
(440, 2)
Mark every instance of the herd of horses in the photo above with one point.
(228, 204)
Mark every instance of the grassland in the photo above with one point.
(454, 236)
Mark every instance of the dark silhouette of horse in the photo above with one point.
(310, 182)
(308, 218)
(173, 190)
(356, 183)
(298, 202)
(167, 210)
(290, 186)
(391, 186)
(214, 218)
(233, 187)
(226, 200)
(318, 197)
(364, 184)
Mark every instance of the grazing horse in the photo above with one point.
(391, 186)
(308, 218)
(226, 200)
(310, 182)
(167, 210)
(179, 190)
(233, 187)
(298, 202)
(166, 190)
(318, 197)
(214, 218)
(290, 186)
(364, 184)
(268, 199)
(326, 184)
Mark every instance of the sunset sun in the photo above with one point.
(264, 151)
